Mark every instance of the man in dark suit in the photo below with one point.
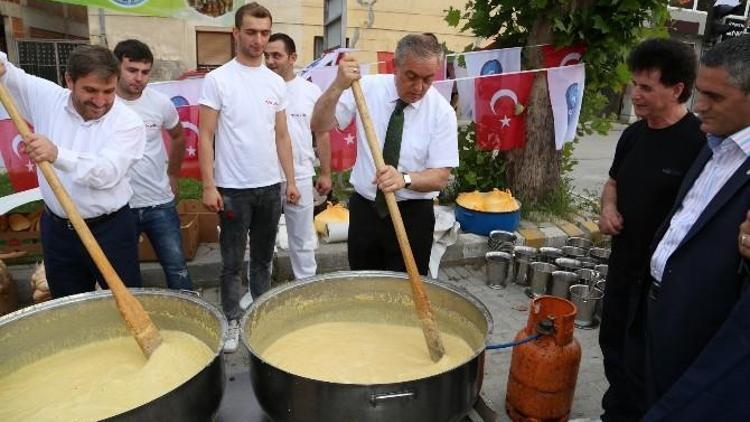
(697, 307)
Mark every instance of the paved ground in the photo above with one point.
(594, 154)
(508, 309)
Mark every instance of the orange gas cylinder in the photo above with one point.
(543, 372)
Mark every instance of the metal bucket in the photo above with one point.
(79, 319)
(585, 298)
(602, 269)
(375, 295)
(523, 257)
(568, 264)
(498, 266)
(600, 254)
(541, 274)
(501, 240)
(580, 242)
(549, 254)
(573, 252)
(561, 282)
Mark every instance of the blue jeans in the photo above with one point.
(161, 224)
(254, 212)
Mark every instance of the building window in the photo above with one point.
(318, 49)
(47, 59)
(213, 47)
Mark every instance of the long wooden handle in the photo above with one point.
(136, 319)
(424, 311)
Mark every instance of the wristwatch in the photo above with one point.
(407, 180)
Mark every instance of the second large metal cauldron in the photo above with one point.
(377, 296)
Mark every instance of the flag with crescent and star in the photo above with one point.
(501, 102)
(190, 119)
(344, 147)
(21, 170)
(562, 56)
(566, 94)
(184, 95)
(482, 63)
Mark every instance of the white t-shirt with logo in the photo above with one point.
(429, 139)
(148, 176)
(302, 97)
(247, 99)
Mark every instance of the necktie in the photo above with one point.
(391, 150)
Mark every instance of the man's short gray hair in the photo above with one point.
(418, 46)
(734, 56)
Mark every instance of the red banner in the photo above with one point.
(21, 170)
(344, 147)
(501, 102)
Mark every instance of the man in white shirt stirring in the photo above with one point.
(417, 127)
(281, 54)
(243, 104)
(92, 139)
(154, 177)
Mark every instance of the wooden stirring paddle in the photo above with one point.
(424, 311)
(137, 321)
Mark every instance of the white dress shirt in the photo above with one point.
(728, 155)
(93, 156)
(429, 140)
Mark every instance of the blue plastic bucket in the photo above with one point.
(482, 223)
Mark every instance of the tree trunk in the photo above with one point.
(534, 171)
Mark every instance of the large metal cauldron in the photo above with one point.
(79, 319)
(368, 296)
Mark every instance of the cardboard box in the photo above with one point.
(189, 230)
(207, 219)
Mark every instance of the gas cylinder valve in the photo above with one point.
(546, 326)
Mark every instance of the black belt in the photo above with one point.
(93, 221)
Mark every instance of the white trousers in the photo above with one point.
(300, 229)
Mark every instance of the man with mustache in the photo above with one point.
(417, 128)
(92, 139)
(154, 177)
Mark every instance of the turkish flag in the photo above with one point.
(562, 56)
(344, 147)
(501, 102)
(21, 170)
(189, 117)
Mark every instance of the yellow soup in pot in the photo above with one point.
(99, 379)
(354, 352)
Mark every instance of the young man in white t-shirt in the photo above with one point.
(243, 105)
(280, 55)
(154, 177)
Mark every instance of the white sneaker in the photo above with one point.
(246, 301)
(232, 339)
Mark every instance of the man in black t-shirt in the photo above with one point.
(651, 159)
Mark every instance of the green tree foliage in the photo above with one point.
(609, 28)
